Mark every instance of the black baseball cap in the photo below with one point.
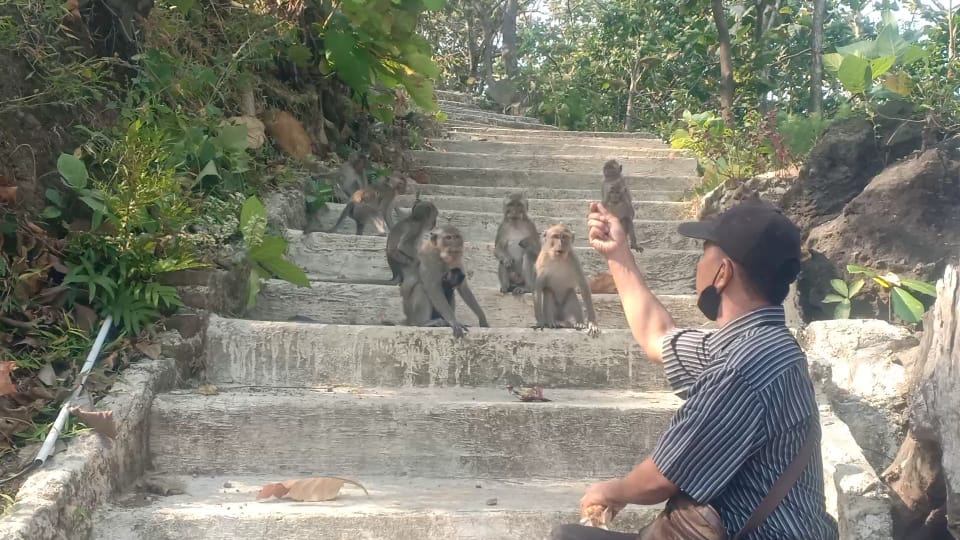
(758, 236)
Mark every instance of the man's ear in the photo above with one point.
(727, 268)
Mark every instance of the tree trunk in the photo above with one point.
(925, 476)
(726, 62)
(631, 95)
(509, 29)
(816, 63)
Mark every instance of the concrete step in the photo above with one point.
(500, 193)
(445, 103)
(354, 303)
(467, 433)
(585, 165)
(558, 134)
(502, 121)
(347, 256)
(286, 354)
(504, 177)
(396, 509)
(625, 148)
(458, 97)
(488, 114)
(482, 227)
(655, 210)
(477, 133)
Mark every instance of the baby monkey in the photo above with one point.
(428, 298)
(516, 247)
(373, 205)
(617, 200)
(559, 275)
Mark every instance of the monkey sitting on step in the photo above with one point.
(516, 247)
(558, 277)
(617, 200)
(428, 298)
(373, 205)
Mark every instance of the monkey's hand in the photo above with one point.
(593, 330)
(520, 290)
(483, 323)
(459, 329)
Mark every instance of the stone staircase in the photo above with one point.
(421, 419)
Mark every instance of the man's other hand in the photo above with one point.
(606, 234)
(601, 493)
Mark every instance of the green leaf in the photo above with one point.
(854, 74)
(855, 269)
(233, 137)
(912, 54)
(833, 298)
(840, 286)
(921, 287)
(299, 54)
(786, 10)
(272, 247)
(351, 64)
(252, 209)
(421, 90)
(906, 306)
(95, 204)
(859, 48)
(832, 61)
(879, 66)
(184, 6)
(434, 5)
(855, 288)
(253, 288)
(210, 169)
(50, 212)
(287, 271)
(54, 197)
(842, 311)
(73, 170)
(889, 42)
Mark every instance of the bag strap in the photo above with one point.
(783, 484)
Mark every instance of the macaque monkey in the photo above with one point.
(403, 240)
(353, 176)
(517, 239)
(559, 275)
(428, 298)
(617, 200)
(373, 205)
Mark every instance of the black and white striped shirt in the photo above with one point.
(749, 400)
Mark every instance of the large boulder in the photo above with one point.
(839, 166)
(907, 220)
(770, 187)
(862, 366)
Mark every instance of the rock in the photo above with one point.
(839, 166)
(862, 365)
(925, 475)
(287, 207)
(907, 220)
(771, 187)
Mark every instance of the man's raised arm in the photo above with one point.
(648, 319)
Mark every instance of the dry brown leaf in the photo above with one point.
(8, 195)
(6, 383)
(100, 421)
(321, 488)
(602, 284)
(151, 350)
(208, 390)
(85, 317)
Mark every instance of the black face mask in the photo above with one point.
(709, 300)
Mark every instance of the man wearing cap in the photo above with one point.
(749, 399)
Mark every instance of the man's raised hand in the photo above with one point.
(606, 234)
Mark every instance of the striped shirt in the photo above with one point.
(749, 398)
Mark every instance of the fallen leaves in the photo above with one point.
(150, 350)
(100, 421)
(597, 515)
(602, 283)
(208, 390)
(321, 488)
(8, 195)
(6, 383)
(528, 393)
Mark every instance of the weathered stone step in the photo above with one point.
(468, 433)
(475, 134)
(493, 177)
(459, 97)
(456, 108)
(502, 121)
(396, 509)
(625, 148)
(347, 256)
(558, 134)
(443, 104)
(482, 227)
(585, 165)
(653, 210)
(355, 303)
(501, 193)
(286, 354)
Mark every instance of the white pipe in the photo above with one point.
(48, 445)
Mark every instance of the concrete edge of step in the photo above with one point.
(49, 503)
(859, 500)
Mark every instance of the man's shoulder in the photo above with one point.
(763, 354)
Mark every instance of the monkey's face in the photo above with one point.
(450, 245)
(612, 169)
(398, 183)
(426, 213)
(558, 240)
(515, 209)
